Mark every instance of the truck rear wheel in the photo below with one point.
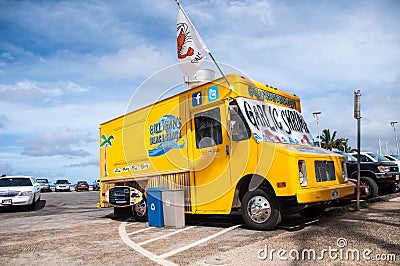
(140, 210)
(373, 187)
(260, 209)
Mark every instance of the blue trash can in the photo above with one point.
(155, 206)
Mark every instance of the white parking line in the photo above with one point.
(201, 241)
(164, 236)
(133, 245)
(141, 230)
(161, 258)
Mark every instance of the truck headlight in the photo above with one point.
(383, 168)
(302, 173)
(25, 193)
(344, 172)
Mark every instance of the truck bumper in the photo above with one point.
(390, 177)
(321, 194)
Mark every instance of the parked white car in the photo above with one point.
(44, 184)
(19, 191)
(62, 185)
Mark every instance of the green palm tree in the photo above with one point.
(328, 141)
(343, 145)
(106, 142)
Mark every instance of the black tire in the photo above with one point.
(313, 212)
(373, 187)
(139, 211)
(260, 209)
(122, 212)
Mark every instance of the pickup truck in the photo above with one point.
(377, 172)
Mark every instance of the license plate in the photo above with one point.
(6, 202)
(335, 194)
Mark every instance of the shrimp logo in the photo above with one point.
(183, 40)
(190, 47)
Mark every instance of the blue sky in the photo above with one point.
(67, 66)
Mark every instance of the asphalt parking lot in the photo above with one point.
(67, 228)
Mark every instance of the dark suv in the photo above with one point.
(379, 174)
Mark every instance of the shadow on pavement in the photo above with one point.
(8, 209)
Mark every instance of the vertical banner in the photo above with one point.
(190, 47)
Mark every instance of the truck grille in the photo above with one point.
(325, 171)
(119, 196)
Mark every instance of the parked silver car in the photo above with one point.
(62, 185)
(19, 191)
(44, 184)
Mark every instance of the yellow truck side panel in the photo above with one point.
(147, 142)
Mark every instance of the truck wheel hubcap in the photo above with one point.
(259, 209)
(140, 208)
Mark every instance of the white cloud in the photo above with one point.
(93, 162)
(37, 93)
(6, 168)
(131, 62)
(3, 120)
(57, 143)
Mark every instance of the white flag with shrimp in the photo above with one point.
(190, 47)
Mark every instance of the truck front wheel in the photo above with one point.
(372, 186)
(260, 209)
(140, 210)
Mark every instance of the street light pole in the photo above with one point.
(357, 116)
(315, 114)
(393, 123)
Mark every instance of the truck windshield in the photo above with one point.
(273, 123)
(378, 157)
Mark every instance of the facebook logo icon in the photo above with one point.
(197, 98)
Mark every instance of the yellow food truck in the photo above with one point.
(240, 147)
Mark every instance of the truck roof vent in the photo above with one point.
(201, 77)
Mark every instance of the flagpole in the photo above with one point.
(208, 51)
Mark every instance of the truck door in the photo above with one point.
(210, 162)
